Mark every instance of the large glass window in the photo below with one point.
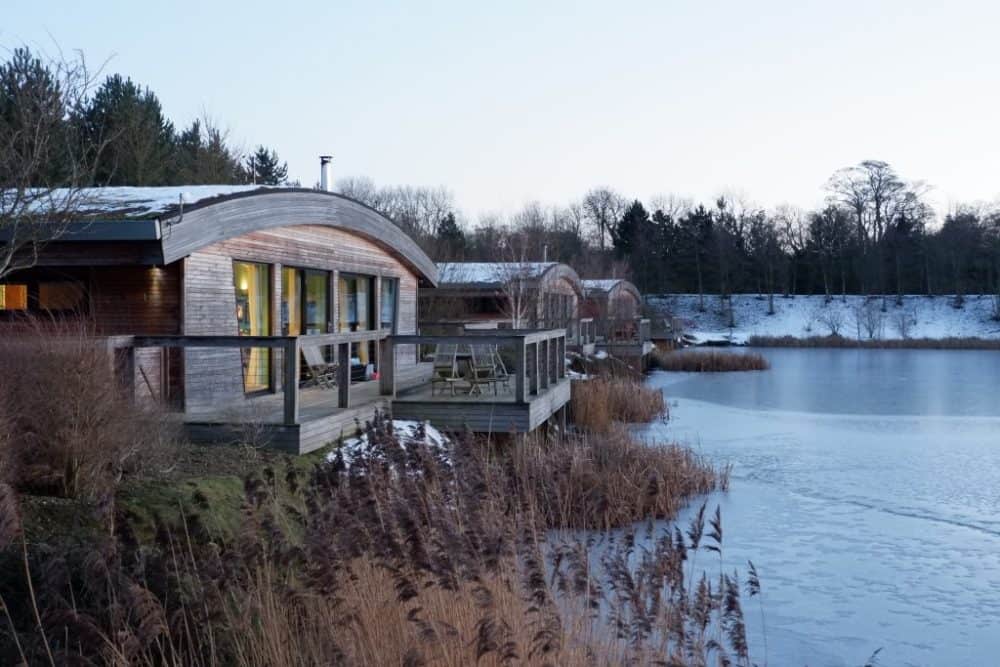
(389, 303)
(356, 311)
(305, 301)
(253, 317)
(13, 297)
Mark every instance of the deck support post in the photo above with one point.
(521, 369)
(387, 367)
(290, 384)
(343, 375)
(561, 358)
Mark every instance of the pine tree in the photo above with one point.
(264, 168)
(139, 138)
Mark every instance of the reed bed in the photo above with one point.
(950, 343)
(408, 556)
(702, 361)
(601, 402)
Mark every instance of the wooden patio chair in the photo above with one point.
(500, 370)
(445, 368)
(482, 369)
(322, 372)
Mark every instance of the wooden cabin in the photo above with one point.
(614, 298)
(615, 307)
(504, 294)
(213, 294)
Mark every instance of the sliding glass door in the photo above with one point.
(305, 301)
(356, 311)
(253, 318)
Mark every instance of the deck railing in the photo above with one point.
(536, 359)
(625, 330)
(537, 363)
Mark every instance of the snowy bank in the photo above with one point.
(407, 433)
(804, 316)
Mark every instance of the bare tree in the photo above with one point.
(518, 284)
(44, 163)
(603, 207)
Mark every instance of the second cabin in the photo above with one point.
(518, 295)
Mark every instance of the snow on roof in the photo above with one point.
(149, 202)
(604, 284)
(489, 272)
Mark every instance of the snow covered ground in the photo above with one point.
(408, 434)
(803, 316)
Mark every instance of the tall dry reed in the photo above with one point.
(600, 402)
(706, 361)
(408, 556)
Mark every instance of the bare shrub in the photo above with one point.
(700, 361)
(601, 401)
(832, 320)
(903, 322)
(868, 319)
(74, 433)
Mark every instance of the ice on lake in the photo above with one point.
(866, 490)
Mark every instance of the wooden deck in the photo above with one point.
(301, 419)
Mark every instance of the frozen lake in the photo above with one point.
(866, 489)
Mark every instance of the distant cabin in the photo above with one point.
(612, 298)
(228, 261)
(503, 294)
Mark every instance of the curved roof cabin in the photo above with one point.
(517, 294)
(614, 298)
(225, 261)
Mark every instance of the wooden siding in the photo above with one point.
(215, 376)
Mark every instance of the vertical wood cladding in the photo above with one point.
(215, 376)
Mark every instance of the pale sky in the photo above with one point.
(508, 102)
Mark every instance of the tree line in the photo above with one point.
(875, 234)
(61, 126)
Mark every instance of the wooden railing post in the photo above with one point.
(521, 368)
(387, 367)
(291, 381)
(561, 358)
(546, 365)
(343, 375)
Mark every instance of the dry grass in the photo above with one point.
(70, 433)
(704, 361)
(605, 481)
(408, 557)
(600, 402)
(952, 343)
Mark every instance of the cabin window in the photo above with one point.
(253, 318)
(356, 296)
(13, 297)
(305, 301)
(63, 295)
(389, 303)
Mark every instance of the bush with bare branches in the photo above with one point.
(72, 431)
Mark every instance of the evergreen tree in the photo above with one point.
(264, 168)
(138, 138)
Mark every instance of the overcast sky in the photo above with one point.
(512, 101)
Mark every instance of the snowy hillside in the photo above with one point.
(802, 316)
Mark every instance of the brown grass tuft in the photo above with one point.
(704, 361)
(600, 402)
(952, 343)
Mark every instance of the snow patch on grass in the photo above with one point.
(407, 433)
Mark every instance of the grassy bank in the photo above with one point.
(952, 343)
(705, 361)
(410, 555)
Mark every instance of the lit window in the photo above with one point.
(13, 297)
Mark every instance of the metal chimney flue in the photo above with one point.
(326, 173)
